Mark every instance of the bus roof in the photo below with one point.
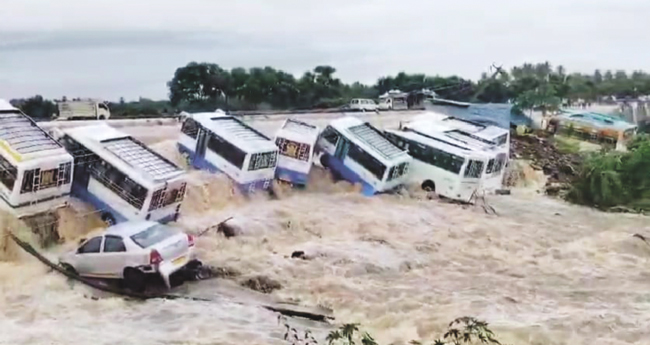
(446, 144)
(236, 131)
(22, 134)
(124, 152)
(444, 123)
(368, 136)
(292, 127)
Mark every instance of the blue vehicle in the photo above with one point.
(359, 153)
(218, 142)
(296, 141)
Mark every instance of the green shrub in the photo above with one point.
(615, 178)
(461, 331)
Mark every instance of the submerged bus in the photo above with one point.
(121, 177)
(495, 141)
(441, 165)
(359, 153)
(295, 141)
(221, 143)
(35, 172)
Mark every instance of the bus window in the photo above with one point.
(490, 165)
(474, 169)
(367, 161)
(228, 151)
(292, 149)
(331, 135)
(190, 128)
(8, 173)
(262, 160)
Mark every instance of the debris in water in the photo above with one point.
(262, 284)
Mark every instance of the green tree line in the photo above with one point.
(207, 86)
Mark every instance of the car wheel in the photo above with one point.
(193, 271)
(68, 268)
(134, 279)
(108, 219)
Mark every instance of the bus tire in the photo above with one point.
(324, 161)
(429, 186)
(134, 279)
(108, 219)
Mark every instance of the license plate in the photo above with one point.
(178, 260)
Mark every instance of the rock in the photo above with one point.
(298, 254)
(229, 229)
(262, 284)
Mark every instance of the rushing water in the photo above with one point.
(540, 271)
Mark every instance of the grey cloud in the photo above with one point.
(131, 48)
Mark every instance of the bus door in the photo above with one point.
(342, 149)
(201, 143)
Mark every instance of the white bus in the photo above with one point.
(35, 172)
(295, 141)
(122, 177)
(359, 153)
(444, 166)
(221, 143)
(492, 139)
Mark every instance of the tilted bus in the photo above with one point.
(121, 177)
(35, 172)
(295, 141)
(443, 165)
(359, 153)
(221, 143)
(495, 141)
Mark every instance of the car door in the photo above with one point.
(88, 257)
(114, 256)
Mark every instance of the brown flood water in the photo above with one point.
(540, 271)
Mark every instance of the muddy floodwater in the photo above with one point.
(540, 271)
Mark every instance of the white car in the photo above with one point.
(362, 104)
(134, 251)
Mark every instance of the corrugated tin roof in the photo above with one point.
(23, 135)
(141, 157)
(299, 126)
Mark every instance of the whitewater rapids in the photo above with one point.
(540, 272)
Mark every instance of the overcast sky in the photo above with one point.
(130, 48)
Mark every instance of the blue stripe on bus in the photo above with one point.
(202, 164)
(96, 202)
(337, 165)
(292, 176)
(197, 162)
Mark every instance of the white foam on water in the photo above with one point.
(541, 271)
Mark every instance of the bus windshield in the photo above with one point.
(262, 160)
(293, 149)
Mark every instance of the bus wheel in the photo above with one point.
(108, 219)
(429, 186)
(324, 161)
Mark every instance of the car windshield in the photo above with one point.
(152, 235)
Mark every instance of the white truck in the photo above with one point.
(83, 109)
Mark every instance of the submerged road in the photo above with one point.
(168, 129)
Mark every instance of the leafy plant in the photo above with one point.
(461, 331)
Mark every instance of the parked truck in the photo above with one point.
(83, 110)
